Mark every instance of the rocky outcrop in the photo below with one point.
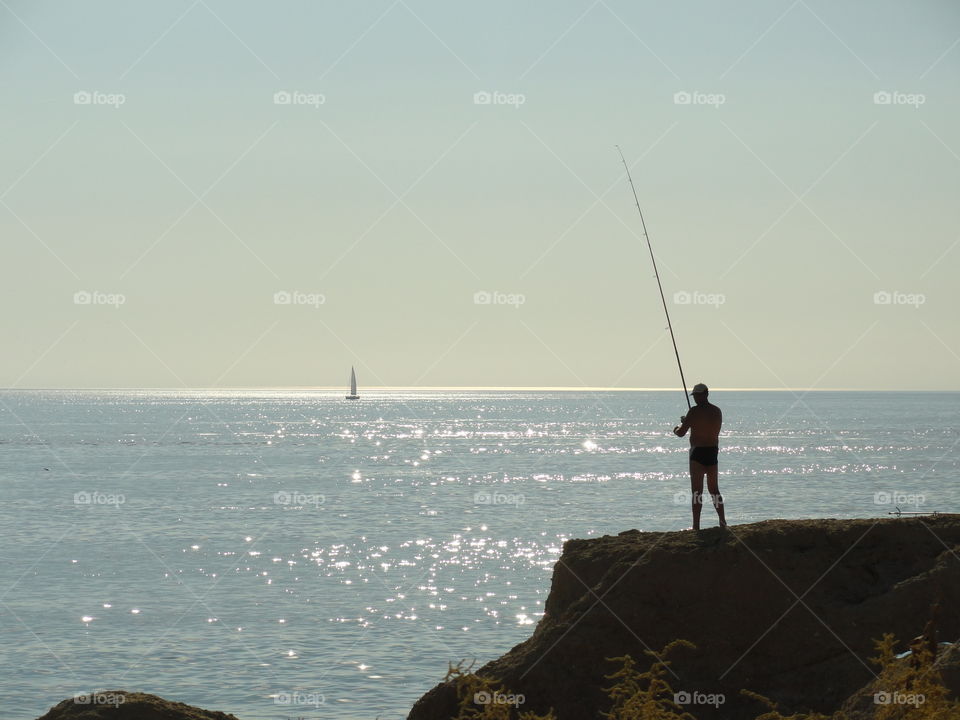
(863, 705)
(789, 609)
(121, 705)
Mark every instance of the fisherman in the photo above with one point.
(703, 421)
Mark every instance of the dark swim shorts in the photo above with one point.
(706, 456)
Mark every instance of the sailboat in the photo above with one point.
(353, 385)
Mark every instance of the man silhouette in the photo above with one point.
(704, 421)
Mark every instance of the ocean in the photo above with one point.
(295, 555)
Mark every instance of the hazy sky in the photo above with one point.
(168, 219)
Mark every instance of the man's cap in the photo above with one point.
(699, 389)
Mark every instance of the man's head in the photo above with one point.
(700, 392)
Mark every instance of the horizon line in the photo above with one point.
(453, 388)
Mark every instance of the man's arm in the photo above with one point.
(687, 421)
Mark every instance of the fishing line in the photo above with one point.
(663, 299)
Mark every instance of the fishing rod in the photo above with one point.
(898, 512)
(663, 299)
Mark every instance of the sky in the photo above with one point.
(203, 193)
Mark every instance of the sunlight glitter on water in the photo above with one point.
(363, 529)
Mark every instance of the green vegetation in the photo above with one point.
(482, 698)
(773, 714)
(645, 695)
(911, 688)
(905, 689)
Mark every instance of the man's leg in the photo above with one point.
(696, 491)
(713, 486)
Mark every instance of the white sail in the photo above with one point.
(353, 381)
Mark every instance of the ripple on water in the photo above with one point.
(275, 543)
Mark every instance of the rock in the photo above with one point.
(122, 705)
(789, 609)
(862, 705)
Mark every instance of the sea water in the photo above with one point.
(294, 554)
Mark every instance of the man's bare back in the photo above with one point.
(704, 422)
